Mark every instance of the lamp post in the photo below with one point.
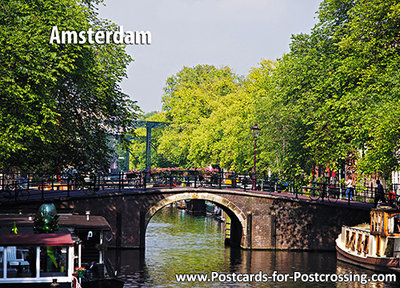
(255, 130)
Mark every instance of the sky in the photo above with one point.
(234, 33)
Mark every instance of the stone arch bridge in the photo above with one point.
(259, 220)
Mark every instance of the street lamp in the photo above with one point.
(255, 130)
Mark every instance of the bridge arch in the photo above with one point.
(238, 218)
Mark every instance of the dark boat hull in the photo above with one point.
(33, 285)
(103, 283)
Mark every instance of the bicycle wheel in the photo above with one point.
(314, 194)
(333, 196)
(23, 195)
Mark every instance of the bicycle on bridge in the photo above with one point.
(16, 192)
(322, 191)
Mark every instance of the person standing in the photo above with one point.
(379, 193)
(350, 189)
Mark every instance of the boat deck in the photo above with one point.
(364, 226)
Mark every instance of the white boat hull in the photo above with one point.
(382, 264)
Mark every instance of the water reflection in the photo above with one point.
(180, 243)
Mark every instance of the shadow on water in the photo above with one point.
(180, 243)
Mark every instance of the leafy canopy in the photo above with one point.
(59, 102)
(334, 97)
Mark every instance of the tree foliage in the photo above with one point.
(336, 92)
(334, 97)
(59, 102)
(208, 109)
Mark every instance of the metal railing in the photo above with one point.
(20, 187)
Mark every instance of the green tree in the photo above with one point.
(329, 91)
(370, 43)
(191, 97)
(59, 102)
(334, 97)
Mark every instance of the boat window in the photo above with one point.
(347, 243)
(53, 261)
(374, 221)
(20, 261)
(389, 247)
(390, 225)
(378, 228)
(396, 225)
(366, 244)
(353, 241)
(359, 241)
(377, 223)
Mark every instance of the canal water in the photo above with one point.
(177, 243)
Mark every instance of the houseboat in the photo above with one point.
(91, 232)
(36, 260)
(374, 246)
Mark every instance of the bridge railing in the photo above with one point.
(16, 187)
(335, 192)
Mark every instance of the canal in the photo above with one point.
(177, 242)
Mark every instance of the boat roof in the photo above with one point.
(65, 220)
(81, 222)
(387, 209)
(363, 226)
(51, 239)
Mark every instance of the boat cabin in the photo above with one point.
(36, 260)
(379, 238)
(385, 226)
(93, 232)
(385, 223)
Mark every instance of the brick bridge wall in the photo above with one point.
(259, 221)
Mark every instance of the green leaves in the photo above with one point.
(208, 109)
(59, 102)
(334, 97)
(340, 79)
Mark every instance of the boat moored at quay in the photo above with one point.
(69, 256)
(36, 260)
(374, 245)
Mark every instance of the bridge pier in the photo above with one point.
(249, 243)
(142, 229)
(273, 230)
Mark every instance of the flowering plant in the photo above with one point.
(79, 272)
(206, 172)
